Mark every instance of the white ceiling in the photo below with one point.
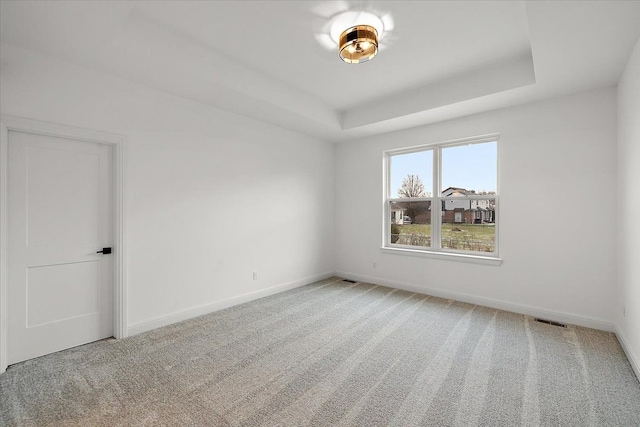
(265, 59)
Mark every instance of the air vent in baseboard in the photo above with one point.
(350, 281)
(551, 322)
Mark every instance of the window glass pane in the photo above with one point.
(411, 223)
(469, 169)
(411, 175)
(469, 225)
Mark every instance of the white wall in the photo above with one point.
(628, 303)
(553, 154)
(211, 196)
(209, 193)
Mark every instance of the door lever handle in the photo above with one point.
(104, 251)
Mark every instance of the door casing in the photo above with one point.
(19, 124)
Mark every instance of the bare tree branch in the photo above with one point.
(412, 187)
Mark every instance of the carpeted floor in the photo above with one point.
(334, 353)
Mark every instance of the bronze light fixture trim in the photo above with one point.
(358, 44)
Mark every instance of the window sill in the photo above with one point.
(474, 259)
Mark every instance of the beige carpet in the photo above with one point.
(334, 354)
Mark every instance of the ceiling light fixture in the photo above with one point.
(358, 44)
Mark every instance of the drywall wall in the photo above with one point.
(628, 302)
(557, 211)
(211, 196)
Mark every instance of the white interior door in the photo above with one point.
(60, 213)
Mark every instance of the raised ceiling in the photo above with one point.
(266, 59)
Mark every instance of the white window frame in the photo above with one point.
(436, 251)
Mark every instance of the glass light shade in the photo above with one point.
(358, 44)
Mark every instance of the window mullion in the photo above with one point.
(436, 205)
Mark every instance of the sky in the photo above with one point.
(472, 167)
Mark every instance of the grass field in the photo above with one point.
(472, 237)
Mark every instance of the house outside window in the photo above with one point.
(442, 198)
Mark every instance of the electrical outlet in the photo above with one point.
(255, 275)
(375, 265)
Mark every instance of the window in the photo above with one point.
(442, 198)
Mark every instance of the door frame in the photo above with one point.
(118, 142)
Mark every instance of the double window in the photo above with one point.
(443, 198)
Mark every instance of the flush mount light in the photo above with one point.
(358, 44)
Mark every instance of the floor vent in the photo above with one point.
(551, 322)
(350, 281)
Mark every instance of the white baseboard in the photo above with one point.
(569, 318)
(557, 316)
(190, 313)
(634, 360)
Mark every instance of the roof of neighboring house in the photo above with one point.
(463, 191)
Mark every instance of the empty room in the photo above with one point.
(319, 213)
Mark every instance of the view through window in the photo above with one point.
(443, 197)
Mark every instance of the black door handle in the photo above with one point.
(104, 251)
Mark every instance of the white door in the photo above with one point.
(60, 194)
